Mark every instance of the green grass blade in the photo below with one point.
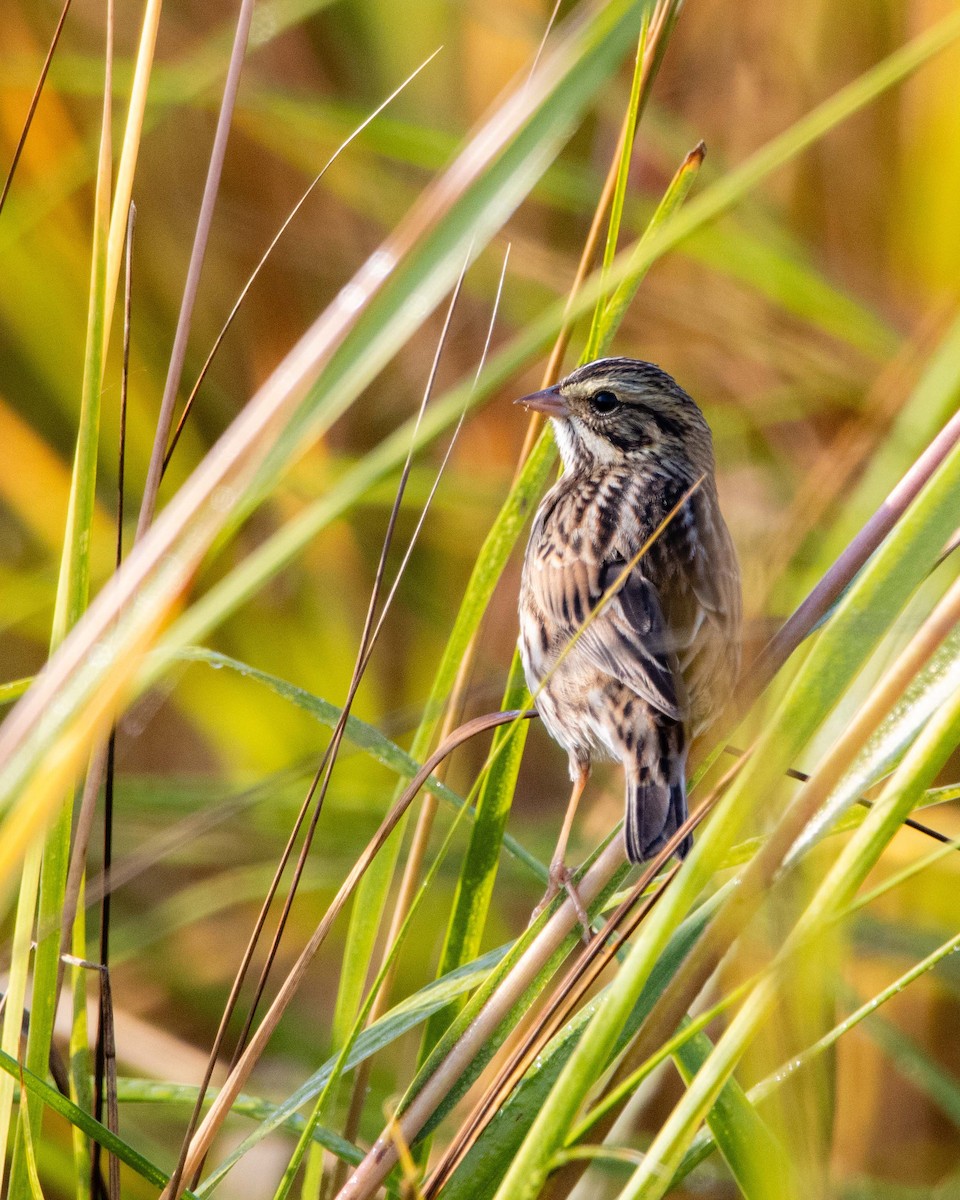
(628, 136)
(14, 689)
(363, 735)
(43, 891)
(613, 312)
(705, 1144)
(478, 871)
(50, 1098)
(755, 1157)
(163, 1093)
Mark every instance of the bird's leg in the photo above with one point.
(560, 875)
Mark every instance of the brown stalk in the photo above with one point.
(368, 642)
(107, 1056)
(197, 254)
(99, 1190)
(105, 1034)
(819, 602)
(34, 101)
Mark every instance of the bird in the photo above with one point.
(630, 597)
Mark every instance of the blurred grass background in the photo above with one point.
(802, 324)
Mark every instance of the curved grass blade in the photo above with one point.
(364, 736)
(317, 791)
(365, 920)
(163, 1092)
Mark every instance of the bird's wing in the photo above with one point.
(704, 611)
(710, 563)
(630, 639)
(627, 639)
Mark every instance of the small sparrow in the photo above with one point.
(657, 663)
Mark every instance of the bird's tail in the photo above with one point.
(656, 794)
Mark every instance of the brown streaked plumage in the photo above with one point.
(659, 662)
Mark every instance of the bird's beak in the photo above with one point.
(548, 401)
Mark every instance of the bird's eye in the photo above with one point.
(604, 403)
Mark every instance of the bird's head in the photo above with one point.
(619, 409)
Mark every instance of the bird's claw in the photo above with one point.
(562, 877)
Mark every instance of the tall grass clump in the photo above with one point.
(274, 807)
